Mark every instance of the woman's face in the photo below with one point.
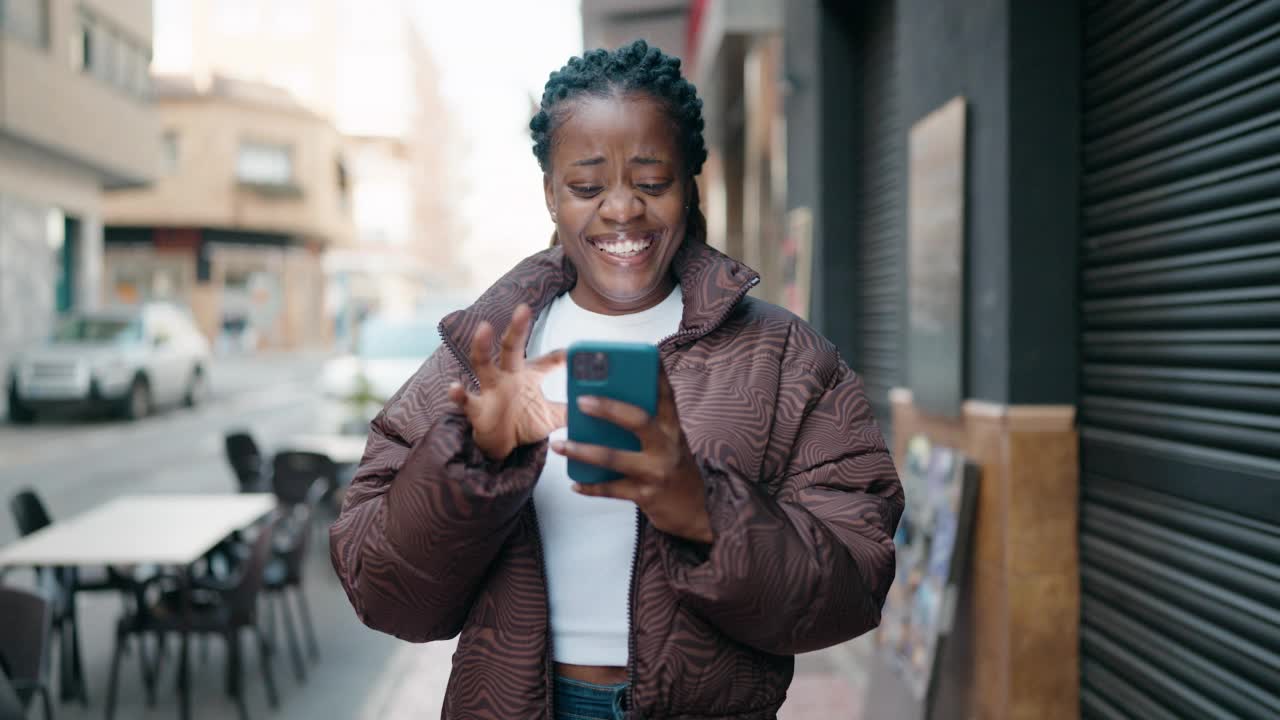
(618, 195)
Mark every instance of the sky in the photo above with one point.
(493, 57)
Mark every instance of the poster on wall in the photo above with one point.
(932, 543)
(797, 261)
(935, 267)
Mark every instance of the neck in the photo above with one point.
(592, 301)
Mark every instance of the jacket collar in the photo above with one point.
(712, 283)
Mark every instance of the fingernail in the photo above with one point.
(588, 402)
(558, 446)
(578, 489)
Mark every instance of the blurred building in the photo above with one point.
(362, 65)
(377, 272)
(1091, 205)
(611, 23)
(75, 117)
(254, 189)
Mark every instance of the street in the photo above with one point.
(76, 464)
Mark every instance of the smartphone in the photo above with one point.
(627, 372)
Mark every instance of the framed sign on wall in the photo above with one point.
(935, 261)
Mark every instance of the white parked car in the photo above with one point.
(388, 351)
(128, 360)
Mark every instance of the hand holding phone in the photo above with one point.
(625, 439)
(626, 372)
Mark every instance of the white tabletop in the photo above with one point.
(141, 530)
(342, 449)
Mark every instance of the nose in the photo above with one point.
(620, 205)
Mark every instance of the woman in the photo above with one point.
(756, 522)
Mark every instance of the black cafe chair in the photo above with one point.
(251, 472)
(294, 471)
(31, 515)
(24, 651)
(246, 460)
(10, 705)
(224, 608)
(300, 485)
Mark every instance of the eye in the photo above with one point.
(654, 188)
(586, 190)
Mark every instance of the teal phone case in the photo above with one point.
(632, 378)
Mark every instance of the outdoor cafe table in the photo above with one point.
(165, 530)
(345, 450)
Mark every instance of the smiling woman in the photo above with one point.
(754, 523)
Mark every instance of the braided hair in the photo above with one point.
(634, 68)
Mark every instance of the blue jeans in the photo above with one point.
(578, 700)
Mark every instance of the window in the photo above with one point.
(81, 45)
(264, 164)
(27, 20)
(98, 329)
(110, 56)
(102, 62)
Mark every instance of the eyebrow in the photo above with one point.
(599, 160)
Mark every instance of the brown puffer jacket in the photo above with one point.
(435, 539)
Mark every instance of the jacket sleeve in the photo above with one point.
(809, 566)
(426, 513)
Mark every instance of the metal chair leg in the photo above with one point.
(268, 673)
(114, 681)
(307, 626)
(295, 648)
(236, 662)
(46, 698)
(149, 672)
(77, 661)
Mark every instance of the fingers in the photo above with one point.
(482, 355)
(559, 414)
(628, 463)
(624, 415)
(458, 395)
(621, 489)
(548, 362)
(515, 339)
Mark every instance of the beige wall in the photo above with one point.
(286, 44)
(131, 16)
(202, 189)
(45, 101)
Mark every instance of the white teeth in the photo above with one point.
(622, 247)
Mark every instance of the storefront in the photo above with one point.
(1121, 284)
(1180, 372)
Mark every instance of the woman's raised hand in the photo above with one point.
(509, 409)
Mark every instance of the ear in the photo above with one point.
(550, 195)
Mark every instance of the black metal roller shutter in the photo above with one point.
(1180, 388)
(881, 218)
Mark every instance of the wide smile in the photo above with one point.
(625, 248)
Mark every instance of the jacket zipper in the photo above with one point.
(631, 616)
(699, 331)
(640, 523)
(548, 659)
(457, 357)
(640, 519)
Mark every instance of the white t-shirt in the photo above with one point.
(588, 543)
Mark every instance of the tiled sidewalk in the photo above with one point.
(829, 685)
